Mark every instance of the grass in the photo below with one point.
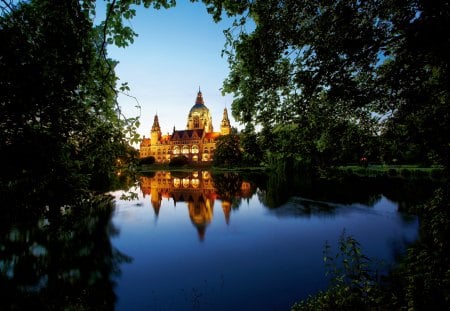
(146, 168)
(399, 171)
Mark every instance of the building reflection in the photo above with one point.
(198, 190)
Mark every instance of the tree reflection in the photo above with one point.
(344, 190)
(61, 258)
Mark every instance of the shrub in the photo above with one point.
(405, 173)
(436, 173)
(392, 172)
(354, 283)
(178, 161)
(147, 160)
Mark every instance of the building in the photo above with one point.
(197, 142)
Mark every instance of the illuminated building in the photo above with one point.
(197, 142)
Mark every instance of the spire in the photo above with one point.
(199, 99)
(155, 126)
(225, 126)
(225, 120)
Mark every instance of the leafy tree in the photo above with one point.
(61, 127)
(370, 60)
(252, 153)
(228, 151)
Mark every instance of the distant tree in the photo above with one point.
(228, 151)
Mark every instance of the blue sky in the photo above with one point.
(177, 51)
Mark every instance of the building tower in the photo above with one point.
(225, 127)
(199, 116)
(155, 133)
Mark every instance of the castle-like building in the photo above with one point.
(197, 142)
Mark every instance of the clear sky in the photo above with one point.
(177, 51)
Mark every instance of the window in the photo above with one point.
(196, 122)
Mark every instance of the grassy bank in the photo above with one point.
(395, 171)
(191, 167)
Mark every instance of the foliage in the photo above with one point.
(178, 161)
(422, 280)
(377, 68)
(354, 285)
(252, 152)
(147, 160)
(61, 126)
(228, 151)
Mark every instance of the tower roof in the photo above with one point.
(199, 99)
(155, 126)
(199, 105)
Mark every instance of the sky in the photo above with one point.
(177, 51)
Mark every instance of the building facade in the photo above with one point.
(197, 142)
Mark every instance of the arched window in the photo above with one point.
(185, 149)
(176, 150)
(196, 122)
(194, 149)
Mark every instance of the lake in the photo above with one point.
(198, 241)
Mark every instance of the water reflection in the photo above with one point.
(199, 190)
(262, 234)
(286, 195)
(59, 257)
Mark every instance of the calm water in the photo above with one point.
(229, 242)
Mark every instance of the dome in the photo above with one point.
(199, 116)
(199, 105)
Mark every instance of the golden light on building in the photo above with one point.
(197, 142)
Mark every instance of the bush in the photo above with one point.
(437, 173)
(392, 172)
(354, 282)
(405, 173)
(147, 160)
(178, 161)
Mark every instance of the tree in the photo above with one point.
(61, 127)
(371, 60)
(252, 153)
(228, 152)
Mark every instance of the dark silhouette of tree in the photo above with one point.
(228, 151)
(381, 66)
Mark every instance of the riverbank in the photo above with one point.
(150, 168)
(373, 170)
(394, 171)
